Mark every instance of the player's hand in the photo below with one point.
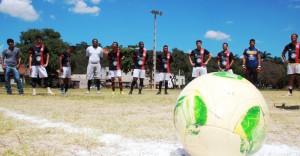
(3, 67)
(244, 68)
(286, 61)
(30, 68)
(258, 69)
(61, 69)
(193, 64)
(45, 65)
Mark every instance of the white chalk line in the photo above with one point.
(115, 144)
(118, 145)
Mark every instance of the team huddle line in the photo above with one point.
(199, 57)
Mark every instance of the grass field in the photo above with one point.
(71, 124)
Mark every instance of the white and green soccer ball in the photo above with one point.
(221, 114)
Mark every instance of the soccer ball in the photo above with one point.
(221, 114)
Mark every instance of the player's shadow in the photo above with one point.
(179, 152)
(288, 107)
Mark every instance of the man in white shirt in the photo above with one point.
(94, 54)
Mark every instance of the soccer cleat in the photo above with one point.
(9, 93)
(166, 93)
(113, 93)
(62, 91)
(130, 93)
(87, 92)
(21, 93)
(288, 94)
(98, 92)
(121, 92)
(158, 93)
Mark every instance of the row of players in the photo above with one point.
(37, 64)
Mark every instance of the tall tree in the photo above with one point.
(265, 56)
(79, 57)
(181, 63)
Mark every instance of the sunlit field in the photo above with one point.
(72, 123)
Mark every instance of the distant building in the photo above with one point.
(79, 80)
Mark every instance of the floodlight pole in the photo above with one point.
(155, 12)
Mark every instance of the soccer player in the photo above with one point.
(293, 66)
(197, 60)
(38, 61)
(11, 59)
(94, 54)
(140, 58)
(225, 59)
(164, 61)
(65, 69)
(251, 62)
(115, 56)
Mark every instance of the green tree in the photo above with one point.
(79, 59)
(265, 56)
(181, 63)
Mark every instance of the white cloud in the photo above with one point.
(218, 35)
(294, 6)
(19, 8)
(259, 41)
(82, 8)
(229, 22)
(297, 6)
(95, 1)
(288, 28)
(52, 17)
(50, 1)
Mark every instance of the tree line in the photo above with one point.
(273, 72)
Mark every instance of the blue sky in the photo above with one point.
(270, 22)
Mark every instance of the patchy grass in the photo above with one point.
(147, 116)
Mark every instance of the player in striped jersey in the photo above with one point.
(115, 56)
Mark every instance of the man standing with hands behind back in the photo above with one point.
(94, 54)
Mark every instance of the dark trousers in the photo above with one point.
(251, 75)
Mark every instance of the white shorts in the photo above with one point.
(93, 71)
(228, 71)
(199, 71)
(66, 73)
(164, 76)
(115, 73)
(38, 71)
(139, 73)
(293, 68)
